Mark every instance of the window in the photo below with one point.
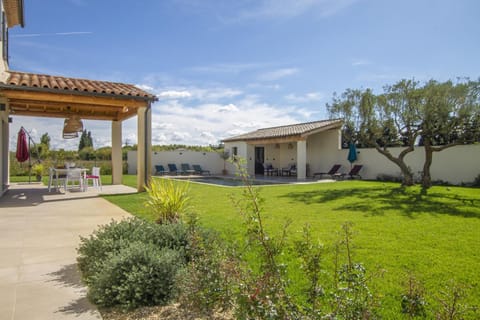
(235, 151)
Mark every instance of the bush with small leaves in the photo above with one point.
(138, 275)
(413, 300)
(110, 239)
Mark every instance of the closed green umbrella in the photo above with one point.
(352, 153)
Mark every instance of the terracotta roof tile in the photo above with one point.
(287, 131)
(72, 85)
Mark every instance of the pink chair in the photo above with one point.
(95, 178)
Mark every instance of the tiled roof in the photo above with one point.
(14, 12)
(73, 85)
(288, 131)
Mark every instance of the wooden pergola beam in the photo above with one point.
(71, 98)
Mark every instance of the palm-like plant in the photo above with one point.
(167, 200)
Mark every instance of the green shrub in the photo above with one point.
(110, 239)
(167, 200)
(138, 275)
(206, 284)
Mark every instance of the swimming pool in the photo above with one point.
(231, 182)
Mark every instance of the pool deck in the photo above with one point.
(268, 180)
(39, 234)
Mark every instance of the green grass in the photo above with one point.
(437, 237)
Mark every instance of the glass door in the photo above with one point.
(259, 159)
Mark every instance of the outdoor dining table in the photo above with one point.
(56, 173)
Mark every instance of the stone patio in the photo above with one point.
(39, 234)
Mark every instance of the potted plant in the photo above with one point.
(225, 155)
(38, 171)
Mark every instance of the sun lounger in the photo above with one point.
(186, 169)
(172, 167)
(160, 170)
(198, 169)
(354, 172)
(333, 171)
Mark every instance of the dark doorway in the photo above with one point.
(259, 159)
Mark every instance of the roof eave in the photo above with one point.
(14, 10)
(336, 125)
(80, 93)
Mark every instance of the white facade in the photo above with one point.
(4, 124)
(455, 165)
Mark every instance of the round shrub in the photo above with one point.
(138, 275)
(107, 241)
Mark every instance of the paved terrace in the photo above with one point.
(39, 234)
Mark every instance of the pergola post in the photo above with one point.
(301, 159)
(144, 149)
(117, 163)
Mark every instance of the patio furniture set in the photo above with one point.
(185, 169)
(72, 177)
(269, 170)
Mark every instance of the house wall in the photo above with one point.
(207, 160)
(244, 151)
(4, 152)
(4, 125)
(322, 150)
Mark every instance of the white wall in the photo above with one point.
(4, 152)
(460, 164)
(207, 160)
(322, 150)
(456, 165)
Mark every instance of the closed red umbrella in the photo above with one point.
(22, 147)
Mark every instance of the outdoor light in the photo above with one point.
(71, 127)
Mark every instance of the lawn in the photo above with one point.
(435, 237)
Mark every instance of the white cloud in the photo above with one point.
(144, 87)
(228, 108)
(33, 35)
(307, 97)
(287, 9)
(233, 68)
(214, 94)
(277, 74)
(360, 62)
(173, 94)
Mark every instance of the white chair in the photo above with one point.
(74, 175)
(54, 179)
(95, 177)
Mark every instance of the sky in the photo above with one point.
(226, 67)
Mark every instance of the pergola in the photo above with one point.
(38, 95)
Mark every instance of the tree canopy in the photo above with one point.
(436, 115)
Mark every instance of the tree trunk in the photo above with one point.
(426, 177)
(399, 161)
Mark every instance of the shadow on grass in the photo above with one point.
(378, 200)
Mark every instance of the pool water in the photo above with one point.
(230, 182)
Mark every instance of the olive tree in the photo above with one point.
(382, 121)
(436, 115)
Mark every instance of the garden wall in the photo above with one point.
(456, 165)
(207, 160)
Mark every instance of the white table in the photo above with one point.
(56, 173)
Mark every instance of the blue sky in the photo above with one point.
(224, 67)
